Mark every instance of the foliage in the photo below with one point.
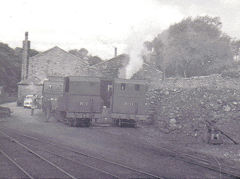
(193, 47)
(92, 60)
(10, 66)
(83, 54)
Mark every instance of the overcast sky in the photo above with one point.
(100, 25)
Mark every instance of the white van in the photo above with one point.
(28, 101)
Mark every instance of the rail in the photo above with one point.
(86, 155)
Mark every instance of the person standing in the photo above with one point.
(34, 104)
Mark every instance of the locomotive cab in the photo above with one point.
(128, 102)
(81, 101)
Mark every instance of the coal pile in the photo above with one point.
(186, 112)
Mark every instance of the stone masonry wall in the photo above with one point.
(55, 62)
(186, 107)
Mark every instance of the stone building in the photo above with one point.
(57, 62)
(53, 62)
(148, 72)
(115, 67)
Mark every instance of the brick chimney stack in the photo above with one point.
(25, 57)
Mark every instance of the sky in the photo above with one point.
(101, 25)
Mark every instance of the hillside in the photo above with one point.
(10, 66)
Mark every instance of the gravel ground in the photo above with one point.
(35, 166)
(8, 169)
(136, 147)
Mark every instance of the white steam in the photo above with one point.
(136, 48)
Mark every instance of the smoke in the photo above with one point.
(122, 72)
(136, 48)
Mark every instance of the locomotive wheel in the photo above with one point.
(70, 122)
(114, 122)
(118, 122)
(75, 122)
(88, 123)
(60, 116)
(134, 124)
(57, 116)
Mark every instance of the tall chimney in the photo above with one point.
(115, 51)
(25, 57)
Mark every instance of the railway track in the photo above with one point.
(65, 154)
(95, 162)
(205, 161)
(19, 155)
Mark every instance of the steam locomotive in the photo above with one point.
(78, 100)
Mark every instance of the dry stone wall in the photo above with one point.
(185, 106)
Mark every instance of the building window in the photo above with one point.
(123, 86)
(137, 87)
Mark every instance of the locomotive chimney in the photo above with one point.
(115, 51)
(25, 57)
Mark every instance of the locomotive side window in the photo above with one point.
(123, 86)
(137, 87)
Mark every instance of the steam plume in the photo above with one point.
(136, 49)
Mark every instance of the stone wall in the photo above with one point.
(186, 107)
(148, 72)
(212, 81)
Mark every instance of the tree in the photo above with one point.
(193, 47)
(83, 54)
(79, 53)
(92, 60)
(10, 66)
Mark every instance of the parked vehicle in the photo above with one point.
(5, 112)
(80, 99)
(28, 101)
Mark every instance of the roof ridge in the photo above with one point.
(56, 47)
(110, 59)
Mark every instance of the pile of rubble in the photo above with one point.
(189, 111)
